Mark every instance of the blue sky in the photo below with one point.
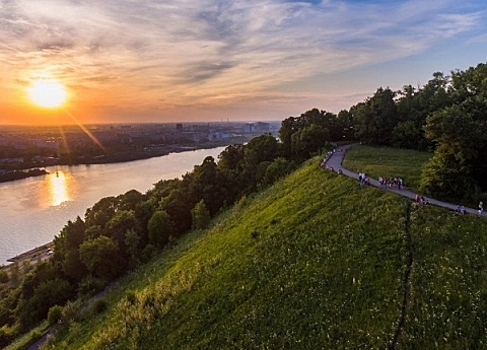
(158, 61)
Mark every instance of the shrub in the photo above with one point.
(54, 315)
(4, 276)
(91, 285)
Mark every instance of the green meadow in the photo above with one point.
(314, 262)
(388, 162)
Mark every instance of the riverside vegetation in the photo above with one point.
(316, 261)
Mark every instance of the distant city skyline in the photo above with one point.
(120, 61)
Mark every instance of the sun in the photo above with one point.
(47, 93)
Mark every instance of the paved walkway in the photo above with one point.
(335, 162)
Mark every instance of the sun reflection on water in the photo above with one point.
(58, 189)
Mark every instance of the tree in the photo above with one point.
(101, 257)
(119, 224)
(161, 228)
(47, 294)
(132, 242)
(448, 173)
(66, 246)
(101, 212)
(232, 157)
(200, 215)
(209, 185)
(279, 168)
(307, 134)
(376, 118)
(309, 140)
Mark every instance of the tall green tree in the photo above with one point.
(201, 216)
(376, 118)
(101, 257)
(448, 173)
(161, 228)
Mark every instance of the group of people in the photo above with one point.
(462, 210)
(420, 199)
(396, 182)
(364, 180)
(328, 155)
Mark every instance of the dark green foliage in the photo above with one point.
(133, 247)
(458, 169)
(161, 228)
(232, 157)
(4, 278)
(260, 149)
(308, 140)
(66, 249)
(54, 315)
(6, 336)
(208, 185)
(34, 308)
(376, 118)
(90, 285)
(102, 258)
(278, 169)
(119, 224)
(201, 216)
(308, 134)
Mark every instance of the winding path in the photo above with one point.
(336, 159)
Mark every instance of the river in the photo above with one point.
(34, 210)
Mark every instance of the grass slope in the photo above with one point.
(315, 261)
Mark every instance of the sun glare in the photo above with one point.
(47, 93)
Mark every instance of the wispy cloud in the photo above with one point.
(214, 52)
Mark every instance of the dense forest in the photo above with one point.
(447, 116)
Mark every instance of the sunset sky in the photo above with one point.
(187, 60)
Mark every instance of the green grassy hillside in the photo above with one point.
(314, 262)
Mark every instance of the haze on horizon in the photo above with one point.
(179, 60)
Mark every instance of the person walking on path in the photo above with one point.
(481, 207)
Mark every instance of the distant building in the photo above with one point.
(49, 144)
(264, 127)
(249, 127)
(179, 127)
(11, 160)
(217, 135)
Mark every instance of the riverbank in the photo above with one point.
(6, 176)
(35, 169)
(38, 253)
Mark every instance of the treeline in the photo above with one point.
(119, 233)
(447, 116)
(21, 174)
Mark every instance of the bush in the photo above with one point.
(54, 315)
(90, 285)
(69, 313)
(7, 335)
(4, 276)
